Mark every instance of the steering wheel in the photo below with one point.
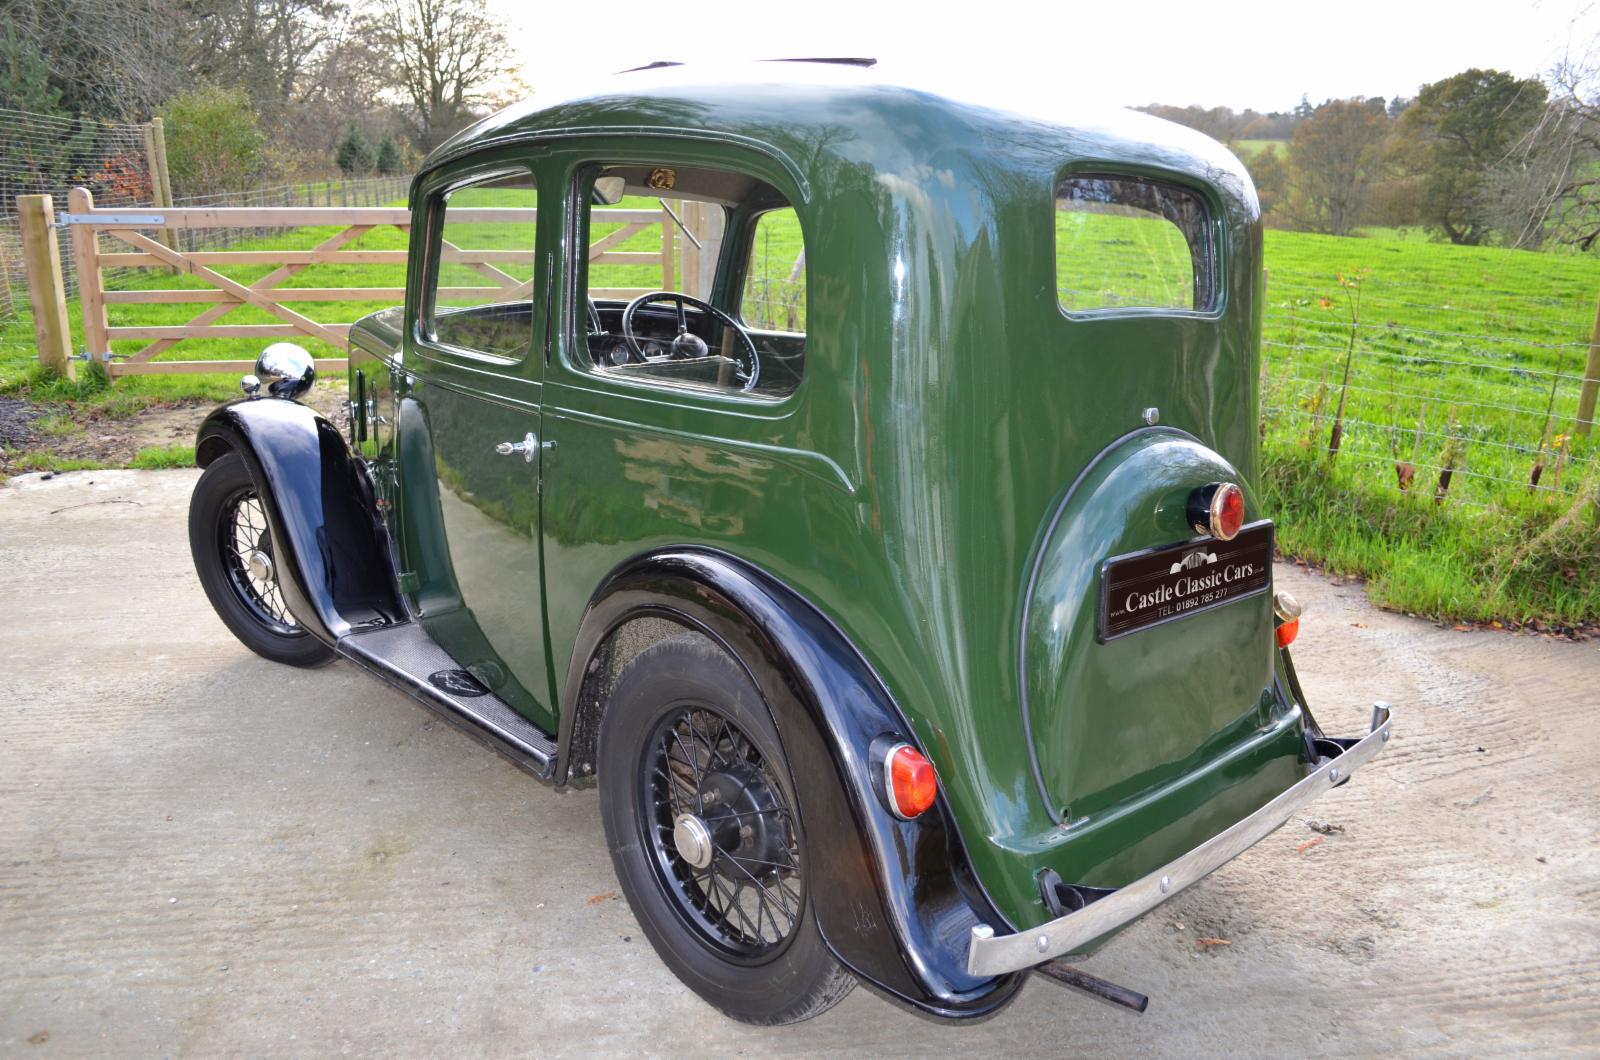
(687, 344)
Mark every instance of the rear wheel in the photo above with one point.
(699, 812)
(233, 555)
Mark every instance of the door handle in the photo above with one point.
(527, 447)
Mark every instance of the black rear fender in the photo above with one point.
(895, 900)
(331, 548)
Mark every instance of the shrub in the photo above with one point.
(213, 141)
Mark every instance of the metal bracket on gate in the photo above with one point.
(104, 358)
(152, 220)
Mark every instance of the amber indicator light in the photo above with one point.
(911, 783)
(1287, 609)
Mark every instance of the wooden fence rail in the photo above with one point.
(135, 228)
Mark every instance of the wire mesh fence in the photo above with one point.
(47, 155)
(1470, 397)
(44, 154)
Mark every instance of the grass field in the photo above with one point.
(1462, 358)
(1248, 149)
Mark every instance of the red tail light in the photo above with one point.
(1287, 632)
(1217, 509)
(909, 780)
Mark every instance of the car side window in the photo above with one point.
(775, 278)
(479, 298)
(690, 280)
(1127, 242)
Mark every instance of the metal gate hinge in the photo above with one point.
(121, 220)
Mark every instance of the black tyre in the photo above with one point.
(699, 812)
(233, 556)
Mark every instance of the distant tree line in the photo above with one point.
(1482, 157)
(1228, 125)
(256, 89)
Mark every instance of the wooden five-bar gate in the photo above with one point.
(136, 230)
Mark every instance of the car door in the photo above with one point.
(468, 453)
(657, 445)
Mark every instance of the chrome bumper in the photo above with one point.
(992, 954)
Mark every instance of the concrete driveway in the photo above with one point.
(204, 853)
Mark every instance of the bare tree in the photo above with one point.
(1549, 185)
(109, 59)
(268, 48)
(450, 59)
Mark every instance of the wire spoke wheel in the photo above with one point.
(234, 558)
(706, 834)
(246, 547)
(721, 831)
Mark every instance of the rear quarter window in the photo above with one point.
(1130, 243)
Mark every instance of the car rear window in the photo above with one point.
(1130, 243)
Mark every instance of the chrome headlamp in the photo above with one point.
(285, 370)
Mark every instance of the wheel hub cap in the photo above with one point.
(259, 564)
(693, 840)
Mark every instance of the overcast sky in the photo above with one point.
(1245, 53)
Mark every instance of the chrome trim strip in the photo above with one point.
(991, 955)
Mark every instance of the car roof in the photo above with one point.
(816, 111)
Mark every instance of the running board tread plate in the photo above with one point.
(405, 656)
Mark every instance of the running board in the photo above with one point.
(406, 657)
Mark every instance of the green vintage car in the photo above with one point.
(851, 481)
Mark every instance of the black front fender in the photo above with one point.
(895, 900)
(330, 545)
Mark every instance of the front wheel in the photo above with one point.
(699, 812)
(233, 555)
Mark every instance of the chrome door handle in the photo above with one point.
(527, 447)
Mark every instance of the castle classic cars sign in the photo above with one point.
(1144, 589)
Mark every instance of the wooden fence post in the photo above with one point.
(160, 176)
(46, 289)
(691, 253)
(91, 284)
(1590, 387)
(669, 229)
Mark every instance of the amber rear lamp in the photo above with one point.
(1288, 610)
(911, 783)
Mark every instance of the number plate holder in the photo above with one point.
(1155, 586)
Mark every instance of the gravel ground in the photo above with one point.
(204, 853)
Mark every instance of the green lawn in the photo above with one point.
(1248, 149)
(1463, 358)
